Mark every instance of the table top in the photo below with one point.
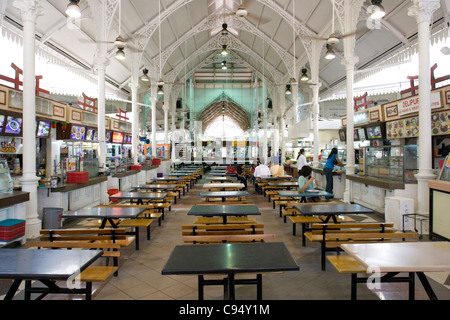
(181, 174)
(223, 185)
(221, 178)
(44, 264)
(167, 179)
(230, 258)
(333, 209)
(155, 186)
(402, 256)
(222, 174)
(105, 212)
(220, 194)
(296, 193)
(283, 184)
(224, 210)
(276, 178)
(139, 195)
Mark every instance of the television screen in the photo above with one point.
(95, 138)
(90, 135)
(13, 125)
(356, 135)
(2, 122)
(342, 136)
(117, 137)
(374, 132)
(108, 136)
(77, 133)
(43, 129)
(362, 134)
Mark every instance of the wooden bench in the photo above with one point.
(227, 203)
(222, 233)
(332, 235)
(110, 241)
(219, 220)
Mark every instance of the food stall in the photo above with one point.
(388, 166)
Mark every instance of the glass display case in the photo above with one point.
(399, 163)
(444, 173)
(6, 183)
(342, 155)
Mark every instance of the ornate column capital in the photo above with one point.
(29, 9)
(350, 61)
(134, 85)
(423, 10)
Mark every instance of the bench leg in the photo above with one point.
(426, 285)
(353, 286)
(294, 229)
(303, 234)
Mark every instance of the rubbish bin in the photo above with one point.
(51, 218)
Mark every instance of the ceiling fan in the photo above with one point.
(242, 12)
(335, 37)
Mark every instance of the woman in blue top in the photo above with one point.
(328, 169)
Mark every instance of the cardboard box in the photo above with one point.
(11, 229)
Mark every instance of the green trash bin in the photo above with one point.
(51, 218)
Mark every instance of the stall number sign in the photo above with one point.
(411, 105)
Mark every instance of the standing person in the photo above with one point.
(332, 160)
(307, 182)
(301, 159)
(320, 155)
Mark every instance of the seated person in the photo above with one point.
(261, 171)
(276, 170)
(307, 182)
(241, 176)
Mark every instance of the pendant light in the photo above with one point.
(330, 55)
(224, 50)
(224, 65)
(73, 10)
(304, 76)
(378, 11)
(288, 89)
(145, 77)
(120, 54)
(160, 90)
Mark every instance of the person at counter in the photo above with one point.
(332, 160)
(307, 182)
(301, 160)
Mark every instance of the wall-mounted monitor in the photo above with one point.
(108, 136)
(43, 129)
(2, 122)
(90, 135)
(117, 137)
(342, 135)
(77, 133)
(375, 132)
(13, 125)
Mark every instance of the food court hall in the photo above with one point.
(276, 150)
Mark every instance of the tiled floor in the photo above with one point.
(140, 271)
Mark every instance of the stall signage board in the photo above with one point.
(411, 105)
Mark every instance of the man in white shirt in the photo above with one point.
(301, 160)
(260, 171)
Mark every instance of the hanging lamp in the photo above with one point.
(378, 11)
(73, 10)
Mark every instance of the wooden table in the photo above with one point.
(47, 266)
(332, 210)
(224, 211)
(223, 194)
(223, 186)
(221, 179)
(394, 258)
(230, 259)
(303, 195)
(155, 186)
(139, 196)
(107, 214)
